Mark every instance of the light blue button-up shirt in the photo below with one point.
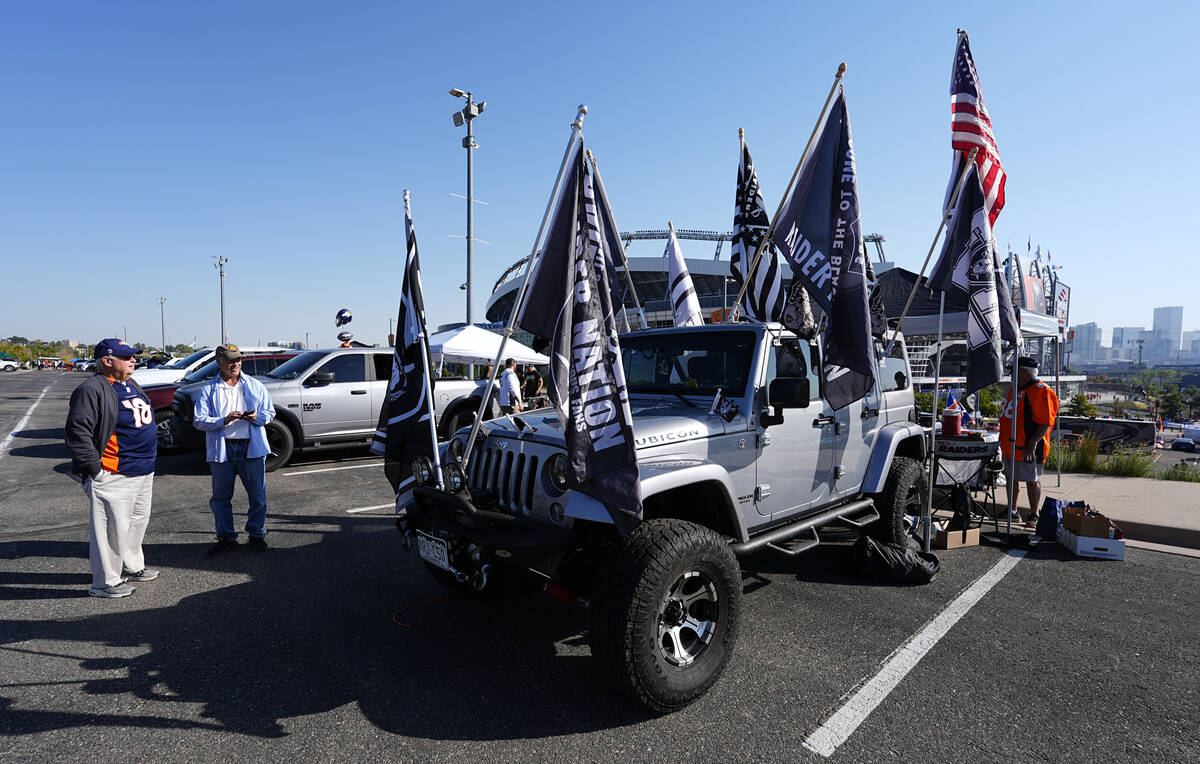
(210, 417)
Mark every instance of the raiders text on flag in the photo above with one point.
(405, 429)
(820, 234)
(568, 305)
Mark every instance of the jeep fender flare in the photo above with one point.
(662, 476)
(905, 438)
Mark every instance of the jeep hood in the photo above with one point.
(654, 424)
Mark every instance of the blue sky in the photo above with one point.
(141, 139)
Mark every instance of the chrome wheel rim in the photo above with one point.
(687, 618)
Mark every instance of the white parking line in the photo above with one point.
(335, 469)
(24, 420)
(839, 727)
(368, 509)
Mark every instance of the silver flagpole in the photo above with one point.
(624, 259)
(937, 373)
(962, 179)
(576, 131)
(1057, 394)
(1012, 428)
(762, 246)
(423, 337)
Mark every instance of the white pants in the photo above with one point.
(120, 513)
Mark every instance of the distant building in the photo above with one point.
(1168, 333)
(1086, 343)
(1123, 338)
(289, 344)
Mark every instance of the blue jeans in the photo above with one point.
(253, 473)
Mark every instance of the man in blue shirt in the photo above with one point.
(233, 410)
(113, 442)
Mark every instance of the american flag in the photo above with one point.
(971, 128)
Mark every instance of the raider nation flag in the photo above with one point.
(567, 303)
(685, 306)
(820, 234)
(970, 266)
(764, 297)
(406, 426)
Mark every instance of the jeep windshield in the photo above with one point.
(688, 363)
(297, 365)
(183, 363)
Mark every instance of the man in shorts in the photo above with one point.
(1034, 414)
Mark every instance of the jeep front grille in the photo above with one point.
(509, 477)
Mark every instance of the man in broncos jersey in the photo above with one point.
(1025, 429)
(113, 442)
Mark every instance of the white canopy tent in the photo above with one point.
(470, 344)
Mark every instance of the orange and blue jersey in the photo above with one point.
(1037, 405)
(133, 446)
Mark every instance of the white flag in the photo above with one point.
(684, 303)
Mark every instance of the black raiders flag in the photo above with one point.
(406, 426)
(764, 300)
(970, 266)
(567, 303)
(820, 234)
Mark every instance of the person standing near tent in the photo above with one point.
(510, 388)
(1034, 415)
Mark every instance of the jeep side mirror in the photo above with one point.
(320, 379)
(789, 393)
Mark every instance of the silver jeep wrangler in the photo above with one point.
(767, 472)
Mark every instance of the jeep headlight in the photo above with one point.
(456, 479)
(557, 470)
(422, 470)
(457, 448)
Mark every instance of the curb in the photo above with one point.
(1160, 534)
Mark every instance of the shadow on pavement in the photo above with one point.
(43, 451)
(57, 433)
(314, 629)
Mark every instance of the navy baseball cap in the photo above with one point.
(113, 346)
(1028, 362)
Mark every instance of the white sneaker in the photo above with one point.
(145, 574)
(111, 592)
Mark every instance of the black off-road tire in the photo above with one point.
(903, 494)
(642, 590)
(279, 438)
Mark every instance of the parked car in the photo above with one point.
(162, 397)
(9, 364)
(176, 370)
(331, 398)
(1183, 444)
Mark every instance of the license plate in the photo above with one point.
(433, 550)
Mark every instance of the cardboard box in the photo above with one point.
(1087, 546)
(1075, 521)
(955, 539)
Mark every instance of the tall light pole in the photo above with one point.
(467, 115)
(220, 266)
(162, 317)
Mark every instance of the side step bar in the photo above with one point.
(841, 513)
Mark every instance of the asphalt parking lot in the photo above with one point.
(336, 645)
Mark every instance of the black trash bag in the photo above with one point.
(892, 563)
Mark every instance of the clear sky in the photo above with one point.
(138, 140)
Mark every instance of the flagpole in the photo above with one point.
(766, 241)
(937, 373)
(958, 187)
(576, 132)
(1012, 428)
(624, 259)
(423, 336)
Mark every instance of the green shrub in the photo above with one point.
(1080, 456)
(1184, 472)
(1122, 463)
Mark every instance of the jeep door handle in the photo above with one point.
(823, 420)
(358, 392)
